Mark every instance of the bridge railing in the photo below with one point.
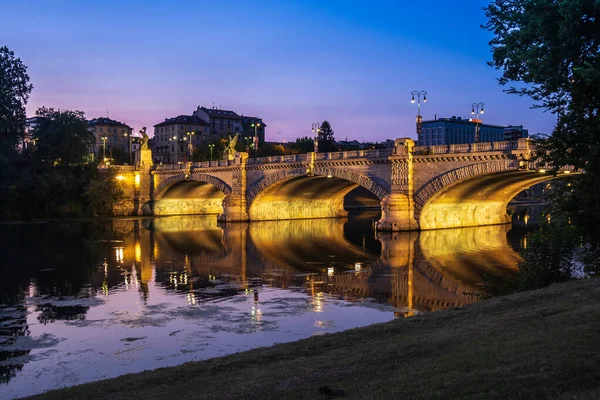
(521, 144)
(472, 147)
(170, 167)
(123, 168)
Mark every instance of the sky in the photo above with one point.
(289, 62)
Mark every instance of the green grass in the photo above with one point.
(539, 344)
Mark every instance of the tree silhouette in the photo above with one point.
(14, 93)
(326, 138)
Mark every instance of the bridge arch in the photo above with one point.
(164, 184)
(183, 194)
(435, 185)
(475, 201)
(255, 189)
(296, 194)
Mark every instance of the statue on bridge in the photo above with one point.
(143, 156)
(229, 152)
(144, 140)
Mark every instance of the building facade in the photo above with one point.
(28, 142)
(457, 130)
(253, 127)
(175, 138)
(222, 123)
(109, 134)
(512, 133)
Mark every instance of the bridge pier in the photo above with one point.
(397, 208)
(397, 214)
(235, 208)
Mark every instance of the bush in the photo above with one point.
(548, 257)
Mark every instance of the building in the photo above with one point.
(253, 127)
(222, 123)
(29, 139)
(109, 134)
(348, 145)
(175, 138)
(457, 130)
(512, 133)
(172, 142)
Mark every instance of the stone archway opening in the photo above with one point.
(310, 197)
(477, 201)
(361, 199)
(190, 198)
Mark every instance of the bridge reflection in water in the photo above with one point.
(343, 258)
(112, 265)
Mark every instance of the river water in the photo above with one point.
(87, 300)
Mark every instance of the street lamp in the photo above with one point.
(104, 139)
(190, 144)
(477, 109)
(418, 94)
(247, 139)
(175, 148)
(255, 125)
(210, 146)
(130, 138)
(316, 128)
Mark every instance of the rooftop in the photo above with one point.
(218, 113)
(252, 119)
(182, 119)
(459, 120)
(107, 121)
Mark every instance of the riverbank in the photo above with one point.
(538, 344)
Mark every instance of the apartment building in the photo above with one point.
(175, 138)
(109, 134)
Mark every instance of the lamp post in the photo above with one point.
(255, 125)
(247, 139)
(419, 120)
(210, 146)
(190, 135)
(130, 138)
(477, 109)
(104, 139)
(175, 158)
(316, 128)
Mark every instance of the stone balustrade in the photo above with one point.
(522, 144)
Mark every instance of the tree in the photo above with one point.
(326, 138)
(303, 145)
(118, 156)
(14, 93)
(550, 48)
(63, 137)
(270, 149)
(203, 151)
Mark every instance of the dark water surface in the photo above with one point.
(86, 300)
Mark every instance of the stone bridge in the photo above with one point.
(417, 188)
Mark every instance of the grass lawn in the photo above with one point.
(540, 344)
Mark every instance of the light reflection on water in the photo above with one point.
(82, 301)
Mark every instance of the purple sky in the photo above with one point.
(290, 62)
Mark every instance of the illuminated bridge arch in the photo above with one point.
(478, 201)
(435, 185)
(257, 188)
(165, 184)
